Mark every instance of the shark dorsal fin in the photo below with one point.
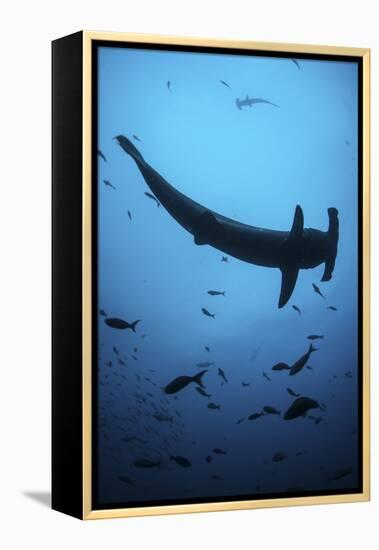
(297, 224)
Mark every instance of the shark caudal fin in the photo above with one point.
(333, 234)
(291, 271)
(238, 104)
(129, 148)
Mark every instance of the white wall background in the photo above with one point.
(27, 28)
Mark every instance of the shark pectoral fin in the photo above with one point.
(205, 227)
(297, 225)
(289, 277)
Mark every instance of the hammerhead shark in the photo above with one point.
(289, 251)
(249, 101)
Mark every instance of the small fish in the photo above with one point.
(146, 463)
(340, 473)
(270, 410)
(101, 155)
(114, 322)
(162, 417)
(153, 198)
(278, 457)
(348, 374)
(137, 138)
(265, 375)
(221, 373)
(318, 291)
(225, 259)
(126, 479)
(205, 364)
(207, 349)
(296, 62)
(207, 313)
(281, 366)
(291, 392)
(121, 362)
(300, 407)
(203, 392)
(218, 451)
(134, 357)
(103, 313)
(181, 461)
(245, 384)
(107, 183)
(315, 337)
(129, 215)
(214, 406)
(240, 420)
(255, 416)
(208, 459)
(224, 83)
(182, 381)
(169, 86)
(309, 367)
(333, 308)
(115, 350)
(215, 293)
(297, 309)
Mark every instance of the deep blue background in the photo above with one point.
(253, 165)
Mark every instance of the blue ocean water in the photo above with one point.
(254, 165)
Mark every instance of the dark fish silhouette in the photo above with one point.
(318, 291)
(101, 155)
(289, 251)
(340, 473)
(308, 367)
(278, 457)
(218, 451)
(107, 183)
(348, 374)
(250, 101)
(270, 410)
(296, 62)
(137, 138)
(215, 293)
(205, 364)
(103, 313)
(225, 259)
(208, 459)
(245, 384)
(254, 416)
(265, 375)
(333, 308)
(182, 381)
(207, 313)
(169, 85)
(315, 337)
(181, 461)
(115, 350)
(162, 417)
(221, 373)
(126, 479)
(203, 392)
(300, 407)
(153, 198)
(114, 322)
(146, 463)
(224, 83)
(297, 309)
(214, 406)
(291, 392)
(298, 365)
(207, 349)
(129, 215)
(281, 366)
(240, 420)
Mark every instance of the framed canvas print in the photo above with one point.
(210, 275)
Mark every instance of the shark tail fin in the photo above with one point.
(290, 272)
(312, 348)
(198, 378)
(129, 148)
(333, 233)
(238, 104)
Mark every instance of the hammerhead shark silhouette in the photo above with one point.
(289, 251)
(250, 101)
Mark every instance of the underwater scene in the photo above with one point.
(228, 363)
